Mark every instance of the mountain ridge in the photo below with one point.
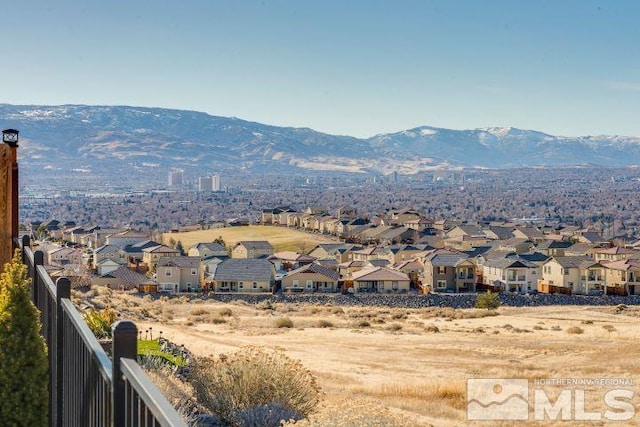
(95, 137)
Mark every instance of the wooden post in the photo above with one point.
(125, 345)
(38, 259)
(6, 206)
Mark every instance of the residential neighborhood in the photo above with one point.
(398, 252)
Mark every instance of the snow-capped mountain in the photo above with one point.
(108, 137)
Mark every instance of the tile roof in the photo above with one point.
(128, 276)
(255, 244)
(179, 261)
(316, 268)
(249, 270)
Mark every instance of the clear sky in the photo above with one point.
(354, 67)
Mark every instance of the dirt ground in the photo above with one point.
(416, 362)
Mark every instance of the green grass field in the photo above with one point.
(282, 238)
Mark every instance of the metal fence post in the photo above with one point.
(38, 259)
(63, 290)
(26, 242)
(125, 345)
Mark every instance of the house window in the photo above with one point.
(309, 284)
(295, 283)
(167, 272)
(255, 285)
(241, 285)
(441, 284)
(442, 270)
(394, 285)
(193, 272)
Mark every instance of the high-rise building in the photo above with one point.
(215, 183)
(209, 183)
(176, 178)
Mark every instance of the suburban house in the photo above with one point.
(244, 275)
(272, 216)
(288, 260)
(449, 271)
(123, 279)
(615, 253)
(412, 268)
(108, 252)
(126, 237)
(178, 274)
(341, 252)
(64, 256)
(248, 249)
(106, 266)
(135, 252)
(562, 272)
(593, 276)
(622, 277)
(372, 253)
(381, 279)
(311, 278)
(513, 274)
(208, 250)
(150, 256)
(553, 247)
(347, 269)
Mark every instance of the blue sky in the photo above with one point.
(357, 67)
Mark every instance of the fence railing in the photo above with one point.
(86, 387)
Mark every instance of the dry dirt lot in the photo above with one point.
(413, 361)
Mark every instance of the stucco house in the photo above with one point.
(380, 279)
(248, 249)
(564, 272)
(512, 274)
(208, 250)
(311, 278)
(178, 274)
(244, 275)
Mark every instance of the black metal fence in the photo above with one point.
(86, 387)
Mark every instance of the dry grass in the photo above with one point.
(281, 238)
(371, 364)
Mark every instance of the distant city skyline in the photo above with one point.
(356, 68)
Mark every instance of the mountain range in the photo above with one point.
(105, 138)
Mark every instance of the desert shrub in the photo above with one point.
(24, 396)
(587, 322)
(225, 312)
(394, 327)
(337, 310)
(432, 328)
(100, 321)
(556, 328)
(575, 330)
(322, 323)
(265, 305)
(199, 311)
(488, 300)
(363, 324)
(268, 415)
(237, 386)
(399, 315)
(284, 322)
(217, 320)
(177, 392)
(609, 328)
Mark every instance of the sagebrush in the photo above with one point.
(233, 385)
